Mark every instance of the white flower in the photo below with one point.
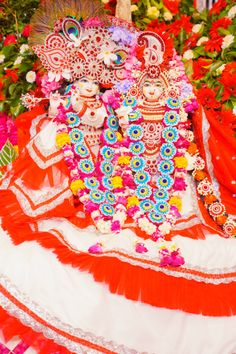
(105, 1)
(227, 41)
(134, 8)
(165, 228)
(153, 12)
(232, 12)
(220, 69)
(52, 76)
(18, 60)
(66, 74)
(107, 56)
(197, 28)
(123, 111)
(167, 16)
(234, 110)
(2, 58)
(202, 40)
(30, 77)
(188, 54)
(24, 48)
(104, 226)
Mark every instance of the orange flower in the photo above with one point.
(217, 7)
(221, 219)
(199, 175)
(192, 149)
(210, 198)
(213, 45)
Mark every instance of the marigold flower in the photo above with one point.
(199, 175)
(210, 198)
(119, 136)
(117, 182)
(131, 201)
(221, 219)
(62, 139)
(77, 185)
(192, 149)
(124, 160)
(181, 162)
(176, 201)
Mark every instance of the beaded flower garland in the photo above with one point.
(122, 186)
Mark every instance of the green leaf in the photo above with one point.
(7, 154)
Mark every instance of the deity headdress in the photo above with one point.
(74, 39)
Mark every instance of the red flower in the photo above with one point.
(200, 67)
(191, 41)
(182, 23)
(207, 98)
(10, 39)
(228, 79)
(26, 31)
(223, 22)
(217, 7)
(158, 27)
(2, 96)
(172, 5)
(12, 74)
(213, 45)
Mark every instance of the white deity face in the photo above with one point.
(87, 87)
(152, 89)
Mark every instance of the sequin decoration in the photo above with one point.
(170, 134)
(110, 136)
(73, 119)
(107, 168)
(76, 136)
(146, 205)
(81, 150)
(107, 152)
(97, 196)
(130, 101)
(142, 177)
(137, 147)
(171, 118)
(143, 192)
(112, 122)
(156, 218)
(91, 182)
(165, 182)
(161, 195)
(137, 163)
(86, 166)
(107, 209)
(135, 132)
(167, 151)
(110, 197)
(166, 166)
(134, 115)
(162, 208)
(173, 103)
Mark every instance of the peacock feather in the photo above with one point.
(55, 10)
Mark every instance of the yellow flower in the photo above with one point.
(134, 8)
(176, 201)
(119, 136)
(124, 160)
(76, 185)
(153, 12)
(181, 162)
(62, 139)
(16, 148)
(117, 182)
(131, 201)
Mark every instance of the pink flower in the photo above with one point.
(132, 210)
(176, 259)
(129, 181)
(182, 143)
(141, 248)
(48, 87)
(112, 99)
(156, 236)
(175, 212)
(90, 207)
(173, 259)
(96, 249)
(115, 226)
(93, 22)
(122, 200)
(179, 184)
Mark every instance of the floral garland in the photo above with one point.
(123, 186)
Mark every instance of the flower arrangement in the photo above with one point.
(19, 69)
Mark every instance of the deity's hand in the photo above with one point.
(76, 101)
(55, 100)
(123, 117)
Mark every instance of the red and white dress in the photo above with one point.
(61, 299)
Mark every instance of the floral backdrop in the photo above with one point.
(205, 40)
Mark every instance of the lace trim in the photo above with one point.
(34, 124)
(45, 152)
(205, 133)
(189, 272)
(55, 322)
(24, 196)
